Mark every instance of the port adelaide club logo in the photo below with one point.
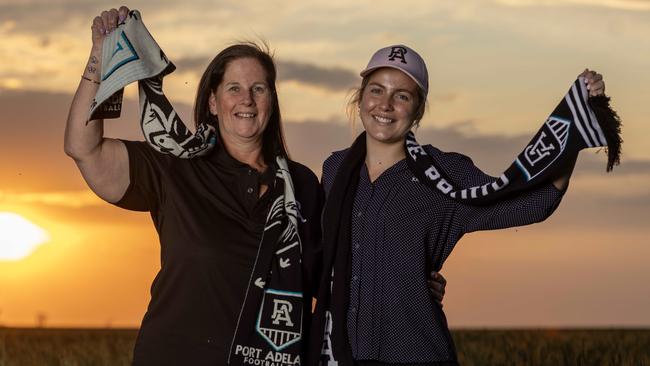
(545, 148)
(280, 318)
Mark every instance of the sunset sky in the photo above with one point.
(497, 69)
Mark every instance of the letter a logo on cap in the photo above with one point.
(397, 52)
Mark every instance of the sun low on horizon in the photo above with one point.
(20, 237)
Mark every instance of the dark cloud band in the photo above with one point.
(330, 78)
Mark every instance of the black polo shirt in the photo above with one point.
(210, 222)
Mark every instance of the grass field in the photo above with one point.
(104, 347)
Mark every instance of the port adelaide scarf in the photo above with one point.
(269, 324)
(578, 122)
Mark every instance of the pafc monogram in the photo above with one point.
(397, 52)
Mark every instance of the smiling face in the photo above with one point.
(388, 105)
(242, 102)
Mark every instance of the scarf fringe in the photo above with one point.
(610, 123)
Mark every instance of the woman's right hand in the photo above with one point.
(105, 23)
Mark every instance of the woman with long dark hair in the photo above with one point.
(238, 222)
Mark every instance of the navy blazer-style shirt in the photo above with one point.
(401, 230)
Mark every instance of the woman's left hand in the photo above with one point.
(437, 285)
(595, 83)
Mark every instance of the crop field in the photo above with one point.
(553, 347)
(104, 347)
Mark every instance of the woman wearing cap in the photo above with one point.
(394, 211)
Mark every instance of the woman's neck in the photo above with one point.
(246, 152)
(381, 156)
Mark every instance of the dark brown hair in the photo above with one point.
(273, 138)
(357, 94)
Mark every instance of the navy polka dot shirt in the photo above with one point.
(401, 230)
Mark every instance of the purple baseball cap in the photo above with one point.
(404, 59)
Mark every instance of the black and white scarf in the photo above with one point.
(269, 325)
(578, 122)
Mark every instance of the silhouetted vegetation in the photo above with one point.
(114, 347)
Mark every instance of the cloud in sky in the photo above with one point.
(488, 52)
(195, 64)
(72, 199)
(331, 78)
(631, 5)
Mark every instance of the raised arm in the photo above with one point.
(531, 206)
(102, 162)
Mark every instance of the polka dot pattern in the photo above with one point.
(401, 230)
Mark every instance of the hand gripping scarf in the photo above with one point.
(269, 324)
(578, 122)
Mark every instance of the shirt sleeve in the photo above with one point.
(145, 190)
(525, 208)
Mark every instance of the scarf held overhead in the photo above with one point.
(131, 54)
(269, 324)
(578, 122)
